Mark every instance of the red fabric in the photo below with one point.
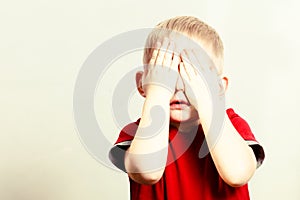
(240, 125)
(187, 176)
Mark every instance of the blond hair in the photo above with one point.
(194, 28)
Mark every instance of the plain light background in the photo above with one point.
(43, 44)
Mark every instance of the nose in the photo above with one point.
(179, 84)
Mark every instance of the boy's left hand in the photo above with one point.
(193, 74)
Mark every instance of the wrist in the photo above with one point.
(159, 92)
(205, 114)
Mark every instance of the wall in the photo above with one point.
(43, 45)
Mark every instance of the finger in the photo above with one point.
(199, 67)
(183, 72)
(162, 51)
(154, 54)
(168, 55)
(192, 60)
(203, 59)
(175, 63)
(189, 69)
(184, 56)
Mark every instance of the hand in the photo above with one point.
(162, 71)
(196, 78)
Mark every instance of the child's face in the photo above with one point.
(181, 110)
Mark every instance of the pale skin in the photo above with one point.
(233, 158)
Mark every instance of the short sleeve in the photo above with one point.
(117, 152)
(244, 130)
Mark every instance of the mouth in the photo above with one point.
(179, 104)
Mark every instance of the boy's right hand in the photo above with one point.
(161, 73)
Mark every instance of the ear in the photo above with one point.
(139, 83)
(225, 83)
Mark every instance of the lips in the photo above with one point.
(178, 104)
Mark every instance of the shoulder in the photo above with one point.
(128, 132)
(240, 124)
(117, 152)
(245, 131)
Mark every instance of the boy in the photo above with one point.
(160, 152)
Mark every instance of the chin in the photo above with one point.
(179, 116)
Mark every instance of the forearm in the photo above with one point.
(233, 158)
(146, 157)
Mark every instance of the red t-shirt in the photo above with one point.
(187, 176)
